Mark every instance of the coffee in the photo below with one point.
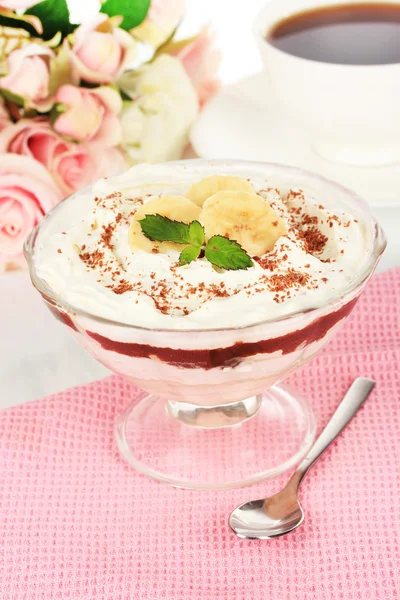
(350, 34)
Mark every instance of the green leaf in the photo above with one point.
(133, 11)
(54, 15)
(196, 233)
(227, 254)
(162, 229)
(188, 254)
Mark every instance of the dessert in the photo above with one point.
(300, 254)
(93, 253)
(206, 283)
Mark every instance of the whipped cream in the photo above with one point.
(82, 253)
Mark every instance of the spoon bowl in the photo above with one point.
(271, 517)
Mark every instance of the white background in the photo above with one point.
(37, 355)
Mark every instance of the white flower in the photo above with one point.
(157, 122)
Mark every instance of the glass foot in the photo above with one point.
(221, 447)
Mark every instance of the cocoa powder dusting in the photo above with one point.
(92, 259)
(122, 287)
(268, 262)
(106, 236)
(315, 240)
(291, 279)
(309, 220)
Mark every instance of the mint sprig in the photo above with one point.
(219, 250)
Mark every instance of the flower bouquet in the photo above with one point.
(78, 102)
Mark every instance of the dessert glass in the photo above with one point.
(212, 415)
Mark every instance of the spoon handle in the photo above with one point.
(355, 396)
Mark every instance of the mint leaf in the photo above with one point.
(133, 11)
(227, 254)
(196, 233)
(54, 15)
(188, 254)
(162, 229)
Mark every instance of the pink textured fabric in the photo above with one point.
(77, 523)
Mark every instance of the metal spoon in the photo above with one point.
(282, 513)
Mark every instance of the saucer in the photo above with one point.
(243, 122)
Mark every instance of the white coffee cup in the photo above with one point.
(351, 113)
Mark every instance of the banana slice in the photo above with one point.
(201, 190)
(176, 208)
(243, 217)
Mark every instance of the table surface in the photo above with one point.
(39, 356)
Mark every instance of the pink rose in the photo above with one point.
(91, 115)
(101, 51)
(81, 166)
(28, 75)
(4, 116)
(74, 169)
(36, 138)
(166, 15)
(17, 4)
(72, 166)
(27, 192)
(201, 62)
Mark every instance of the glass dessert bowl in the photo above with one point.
(206, 343)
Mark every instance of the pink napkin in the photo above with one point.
(77, 523)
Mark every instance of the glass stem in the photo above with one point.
(212, 417)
